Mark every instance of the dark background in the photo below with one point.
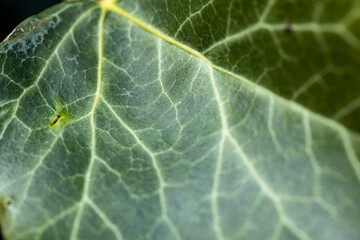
(13, 12)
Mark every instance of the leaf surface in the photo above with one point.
(182, 120)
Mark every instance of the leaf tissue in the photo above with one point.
(184, 120)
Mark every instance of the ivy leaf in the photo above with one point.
(182, 120)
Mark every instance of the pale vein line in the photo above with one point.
(106, 220)
(12, 81)
(228, 23)
(308, 144)
(87, 178)
(267, 10)
(160, 71)
(352, 16)
(157, 170)
(188, 19)
(281, 50)
(60, 62)
(257, 177)
(118, 175)
(161, 83)
(109, 168)
(277, 231)
(9, 183)
(33, 171)
(347, 142)
(306, 86)
(351, 107)
(310, 153)
(45, 66)
(214, 194)
(49, 222)
(336, 28)
(354, 161)
(6, 103)
(119, 68)
(246, 32)
(271, 128)
(262, 90)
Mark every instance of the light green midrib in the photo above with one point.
(293, 105)
(319, 117)
(86, 188)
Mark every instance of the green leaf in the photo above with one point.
(182, 120)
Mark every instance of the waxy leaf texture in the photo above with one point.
(182, 119)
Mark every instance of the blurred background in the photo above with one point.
(13, 12)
